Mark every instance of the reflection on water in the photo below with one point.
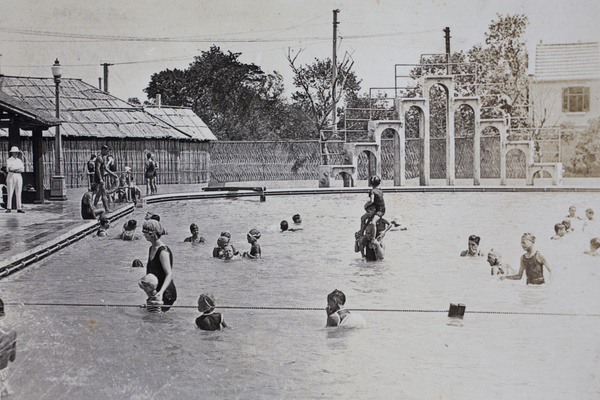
(112, 352)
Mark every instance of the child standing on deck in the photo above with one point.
(532, 262)
(209, 320)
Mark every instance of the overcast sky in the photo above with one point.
(142, 37)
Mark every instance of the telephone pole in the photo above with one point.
(106, 65)
(334, 70)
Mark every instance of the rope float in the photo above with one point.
(274, 308)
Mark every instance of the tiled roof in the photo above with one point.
(567, 61)
(87, 111)
(184, 119)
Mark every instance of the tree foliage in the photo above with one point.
(315, 96)
(586, 160)
(236, 100)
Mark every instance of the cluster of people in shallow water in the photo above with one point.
(533, 262)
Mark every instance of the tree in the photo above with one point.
(315, 96)
(236, 100)
(586, 161)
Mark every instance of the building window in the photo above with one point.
(576, 99)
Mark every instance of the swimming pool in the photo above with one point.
(97, 352)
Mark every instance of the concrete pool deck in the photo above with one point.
(48, 227)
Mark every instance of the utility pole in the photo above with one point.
(99, 83)
(106, 65)
(447, 36)
(334, 70)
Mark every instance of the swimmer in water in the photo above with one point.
(148, 284)
(560, 231)
(498, 267)
(128, 232)
(209, 320)
(104, 225)
(195, 238)
(253, 237)
(473, 250)
(337, 315)
(594, 246)
(532, 262)
(285, 227)
(230, 254)
(297, 219)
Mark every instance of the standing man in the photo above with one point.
(150, 174)
(14, 180)
(99, 178)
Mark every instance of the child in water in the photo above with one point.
(297, 219)
(560, 231)
(594, 246)
(253, 237)
(195, 238)
(128, 232)
(337, 315)
(473, 250)
(285, 227)
(209, 320)
(532, 262)
(148, 284)
(104, 225)
(495, 260)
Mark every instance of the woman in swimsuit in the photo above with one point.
(160, 263)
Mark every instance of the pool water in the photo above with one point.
(103, 352)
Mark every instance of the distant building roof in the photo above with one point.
(86, 111)
(30, 117)
(184, 119)
(567, 61)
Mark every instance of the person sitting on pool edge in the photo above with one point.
(209, 320)
(285, 227)
(532, 262)
(473, 250)
(498, 267)
(337, 315)
(594, 246)
(88, 210)
(195, 238)
(253, 237)
(148, 284)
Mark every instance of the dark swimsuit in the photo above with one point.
(155, 267)
(209, 322)
(533, 269)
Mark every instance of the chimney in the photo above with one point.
(158, 100)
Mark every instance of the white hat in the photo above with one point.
(14, 149)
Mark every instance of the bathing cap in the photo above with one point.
(474, 238)
(283, 225)
(493, 254)
(152, 225)
(206, 302)
(226, 234)
(150, 279)
(296, 217)
(222, 241)
(254, 233)
(528, 236)
(155, 217)
(193, 227)
(594, 242)
(338, 296)
(137, 264)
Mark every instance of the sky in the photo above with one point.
(142, 37)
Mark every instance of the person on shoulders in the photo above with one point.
(337, 315)
(129, 232)
(195, 238)
(473, 250)
(255, 251)
(594, 246)
(376, 197)
(209, 320)
(560, 231)
(148, 284)
(498, 267)
(532, 262)
(88, 209)
(285, 227)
